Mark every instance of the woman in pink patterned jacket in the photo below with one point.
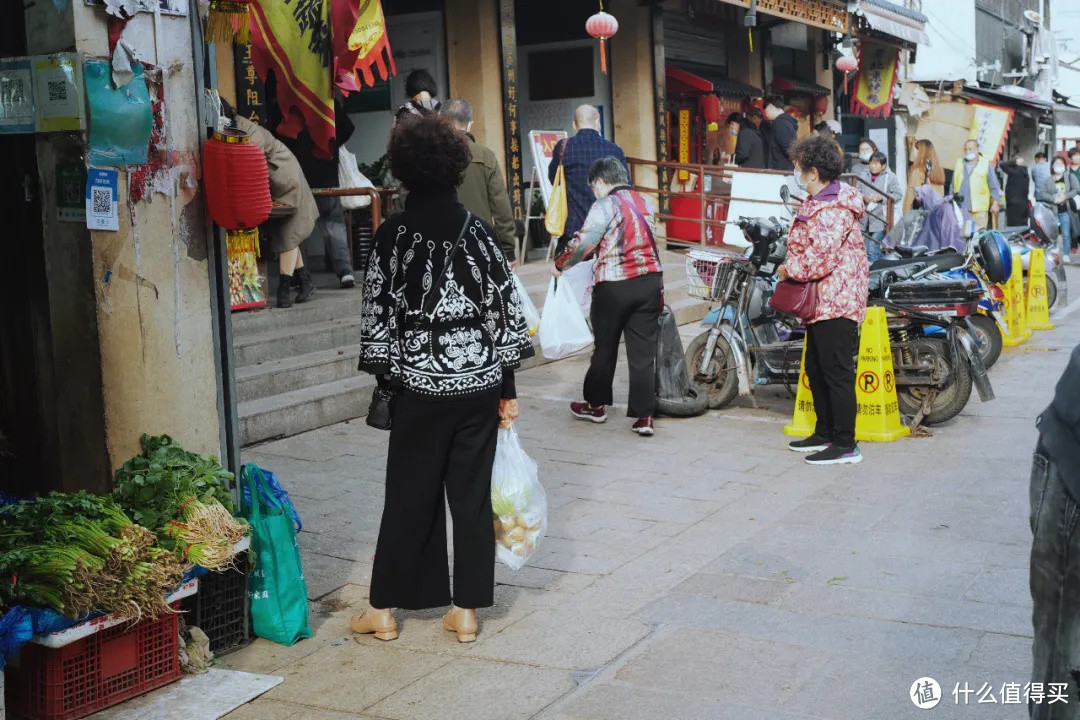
(826, 246)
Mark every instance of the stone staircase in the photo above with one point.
(296, 368)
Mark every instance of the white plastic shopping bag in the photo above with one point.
(563, 330)
(518, 502)
(581, 279)
(349, 176)
(532, 315)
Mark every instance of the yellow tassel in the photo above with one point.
(750, 34)
(243, 241)
(228, 21)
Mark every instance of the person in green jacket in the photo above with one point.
(483, 187)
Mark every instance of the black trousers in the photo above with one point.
(438, 450)
(1016, 213)
(631, 308)
(831, 347)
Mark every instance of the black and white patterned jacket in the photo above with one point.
(476, 333)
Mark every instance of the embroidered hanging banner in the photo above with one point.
(371, 43)
(990, 127)
(878, 66)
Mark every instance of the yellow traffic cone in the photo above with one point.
(1038, 312)
(804, 421)
(877, 416)
(1015, 307)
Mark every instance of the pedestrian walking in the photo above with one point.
(1039, 172)
(627, 298)
(782, 133)
(825, 246)
(442, 327)
(1062, 187)
(576, 155)
(421, 90)
(1055, 547)
(749, 146)
(925, 169)
(974, 179)
(1017, 190)
(483, 187)
(867, 148)
(288, 187)
(883, 187)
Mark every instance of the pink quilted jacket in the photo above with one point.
(826, 244)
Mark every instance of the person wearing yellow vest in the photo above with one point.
(974, 178)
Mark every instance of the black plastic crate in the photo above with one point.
(220, 609)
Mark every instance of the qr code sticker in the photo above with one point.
(58, 91)
(101, 201)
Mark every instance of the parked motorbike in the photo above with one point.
(1042, 232)
(747, 343)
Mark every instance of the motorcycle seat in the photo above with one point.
(913, 251)
(940, 261)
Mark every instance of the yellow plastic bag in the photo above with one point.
(557, 210)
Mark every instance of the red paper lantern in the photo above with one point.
(710, 108)
(821, 104)
(237, 181)
(846, 64)
(602, 26)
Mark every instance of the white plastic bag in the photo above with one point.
(563, 330)
(349, 176)
(518, 502)
(581, 279)
(532, 315)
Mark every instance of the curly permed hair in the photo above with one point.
(820, 153)
(428, 153)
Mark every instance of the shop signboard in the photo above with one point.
(543, 144)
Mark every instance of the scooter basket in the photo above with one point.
(713, 275)
(935, 292)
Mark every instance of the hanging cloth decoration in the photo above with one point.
(369, 39)
(877, 79)
(602, 26)
(228, 21)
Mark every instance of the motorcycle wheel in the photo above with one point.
(1051, 293)
(721, 382)
(695, 403)
(987, 338)
(950, 401)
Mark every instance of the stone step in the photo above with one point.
(326, 305)
(285, 342)
(294, 373)
(297, 411)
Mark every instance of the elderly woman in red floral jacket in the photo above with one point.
(826, 246)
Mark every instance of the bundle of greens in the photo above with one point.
(184, 498)
(77, 553)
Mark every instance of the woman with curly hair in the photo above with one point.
(825, 246)
(442, 327)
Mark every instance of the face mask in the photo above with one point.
(734, 132)
(865, 157)
(1059, 169)
(970, 156)
(798, 180)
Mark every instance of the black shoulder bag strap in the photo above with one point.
(432, 298)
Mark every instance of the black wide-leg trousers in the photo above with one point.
(441, 452)
(831, 348)
(629, 308)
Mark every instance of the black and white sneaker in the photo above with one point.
(814, 443)
(347, 281)
(836, 455)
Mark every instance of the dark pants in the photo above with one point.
(439, 452)
(831, 347)
(1055, 588)
(330, 236)
(629, 308)
(1016, 213)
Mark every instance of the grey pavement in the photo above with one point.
(704, 573)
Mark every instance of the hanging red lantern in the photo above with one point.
(228, 20)
(237, 181)
(710, 108)
(821, 104)
(602, 26)
(846, 64)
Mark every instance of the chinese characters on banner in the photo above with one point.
(991, 127)
(684, 142)
(877, 79)
(660, 92)
(250, 91)
(508, 41)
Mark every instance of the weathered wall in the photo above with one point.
(475, 63)
(633, 92)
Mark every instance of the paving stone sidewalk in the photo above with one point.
(704, 573)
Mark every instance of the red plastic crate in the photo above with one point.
(94, 673)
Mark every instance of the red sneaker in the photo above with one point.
(584, 411)
(644, 427)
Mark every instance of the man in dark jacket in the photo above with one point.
(749, 147)
(483, 187)
(577, 155)
(783, 131)
(1017, 189)
(1055, 550)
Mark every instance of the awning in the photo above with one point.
(1020, 99)
(802, 87)
(895, 20)
(681, 82)
(690, 78)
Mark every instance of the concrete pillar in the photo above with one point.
(744, 65)
(475, 67)
(633, 95)
(131, 310)
(823, 71)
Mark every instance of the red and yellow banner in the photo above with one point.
(370, 41)
(874, 86)
(990, 127)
